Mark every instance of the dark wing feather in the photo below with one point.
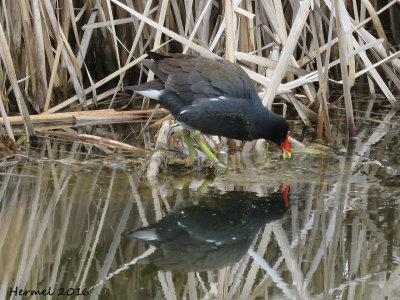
(224, 117)
(193, 77)
(153, 66)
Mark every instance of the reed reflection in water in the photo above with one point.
(63, 224)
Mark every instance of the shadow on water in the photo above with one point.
(64, 225)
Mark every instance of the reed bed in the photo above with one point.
(59, 56)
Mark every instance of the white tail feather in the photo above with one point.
(152, 94)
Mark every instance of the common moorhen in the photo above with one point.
(211, 96)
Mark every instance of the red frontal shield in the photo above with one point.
(286, 145)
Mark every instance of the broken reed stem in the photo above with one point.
(321, 94)
(105, 116)
(9, 66)
(230, 42)
(343, 67)
(95, 140)
(229, 30)
(7, 123)
(53, 75)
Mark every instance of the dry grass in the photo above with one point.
(75, 55)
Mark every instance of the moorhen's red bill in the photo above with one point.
(213, 96)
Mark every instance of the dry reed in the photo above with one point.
(54, 54)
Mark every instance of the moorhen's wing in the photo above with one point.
(193, 77)
(223, 116)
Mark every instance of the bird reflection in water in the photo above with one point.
(215, 232)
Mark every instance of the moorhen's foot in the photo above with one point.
(208, 152)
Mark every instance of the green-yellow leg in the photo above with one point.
(188, 141)
(266, 151)
(207, 151)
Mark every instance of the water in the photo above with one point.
(324, 225)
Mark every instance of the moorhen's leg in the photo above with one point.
(207, 151)
(266, 150)
(188, 141)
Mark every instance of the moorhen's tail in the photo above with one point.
(151, 89)
(144, 234)
(155, 89)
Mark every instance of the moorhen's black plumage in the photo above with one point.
(212, 96)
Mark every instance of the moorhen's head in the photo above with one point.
(276, 129)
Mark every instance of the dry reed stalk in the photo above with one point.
(87, 35)
(157, 41)
(197, 25)
(146, 125)
(6, 123)
(344, 71)
(54, 26)
(307, 59)
(287, 52)
(8, 62)
(95, 140)
(230, 41)
(133, 48)
(161, 121)
(40, 62)
(166, 31)
(266, 62)
(324, 115)
(97, 84)
(53, 74)
(90, 25)
(229, 30)
(377, 23)
(378, 79)
(75, 117)
(382, 62)
(114, 35)
(325, 79)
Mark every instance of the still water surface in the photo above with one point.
(324, 225)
